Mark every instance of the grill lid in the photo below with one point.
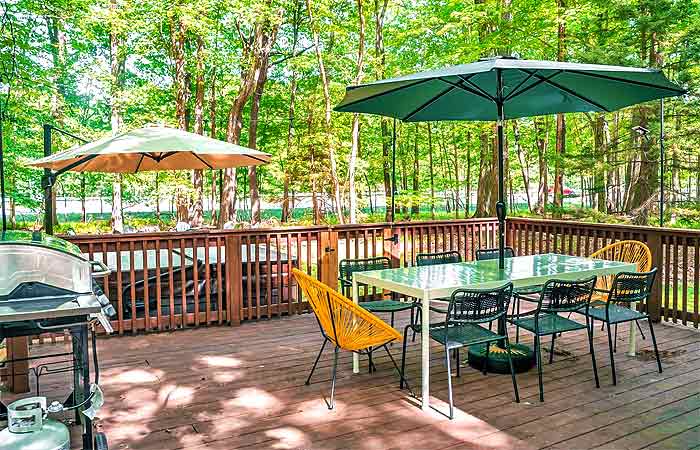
(39, 239)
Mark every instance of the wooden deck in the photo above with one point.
(236, 387)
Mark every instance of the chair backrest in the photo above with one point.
(433, 259)
(343, 322)
(624, 251)
(565, 295)
(628, 287)
(347, 267)
(479, 305)
(483, 254)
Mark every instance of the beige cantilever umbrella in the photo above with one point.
(152, 148)
(148, 148)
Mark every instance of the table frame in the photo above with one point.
(370, 279)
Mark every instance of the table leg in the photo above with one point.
(356, 300)
(425, 352)
(632, 350)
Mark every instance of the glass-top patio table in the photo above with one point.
(439, 281)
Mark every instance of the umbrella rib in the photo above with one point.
(203, 161)
(635, 82)
(75, 164)
(478, 88)
(390, 91)
(138, 166)
(461, 85)
(570, 92)
(539, 81)
(428, 103)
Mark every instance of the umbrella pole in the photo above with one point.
(500, 205)
(662, 164)
(2, 178)
(393, 174)
(47, 182)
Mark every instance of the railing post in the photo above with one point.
(234, 278)
(656, 246)
(391, 241)
(18, 372)
(328, 259)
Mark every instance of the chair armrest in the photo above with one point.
(525, 314)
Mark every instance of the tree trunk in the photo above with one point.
(57, 39)
(524, 167)
(83, 209)
(328, 108)
(255, 51)
(253, 143)
(468, 188)
(560, 144)
(355, 146)
(117, 61)
(541, 142)
(415, 204)
(600, 151)
(380, 7)
(212, 134)
(485, 195)
(177, 50)
(456, 189)
(290, 143)
(196, 214)
(431, 171)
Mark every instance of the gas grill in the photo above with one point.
(46, 285)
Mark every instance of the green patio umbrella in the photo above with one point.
(507, 88)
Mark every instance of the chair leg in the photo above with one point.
(639, 327)
(589, 330)
(458, 363)
(331, 405)
(308, 380)
(612, 357)
(656, 349)
(392, 319)
(512, 371)
(485, 367)
(615, 340)
(517, 328)
(551, 349)
(371, 364)
(449, 382)
(393, 361)
(403, 356)
(419, 321)
(538, 353)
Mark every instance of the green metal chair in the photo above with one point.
(526, 293)
(435, 259)
(467, 311)
(627, 288)
(558, 296)
(348, 267)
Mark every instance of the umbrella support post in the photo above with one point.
(500, 205)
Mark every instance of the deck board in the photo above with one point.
(243, 387)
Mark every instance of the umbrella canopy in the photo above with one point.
(527, 88)
(506, 88)
(152, 148)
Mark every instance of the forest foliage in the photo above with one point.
(266, 74)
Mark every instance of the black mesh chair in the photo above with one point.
(527, 293)
(468, 310)
(348, 267)
(558, 296)
(484, 254)
(435, 259)
(627, 288)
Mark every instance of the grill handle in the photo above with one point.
(102, 269)
(61, 326)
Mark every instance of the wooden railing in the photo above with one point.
(675, 252)
(241, 275)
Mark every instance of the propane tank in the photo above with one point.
(28, 428)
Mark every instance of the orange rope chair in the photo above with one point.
(623, 251)
(345, 324)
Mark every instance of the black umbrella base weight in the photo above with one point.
(523, 358)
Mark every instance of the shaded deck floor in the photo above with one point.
(243, 387)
